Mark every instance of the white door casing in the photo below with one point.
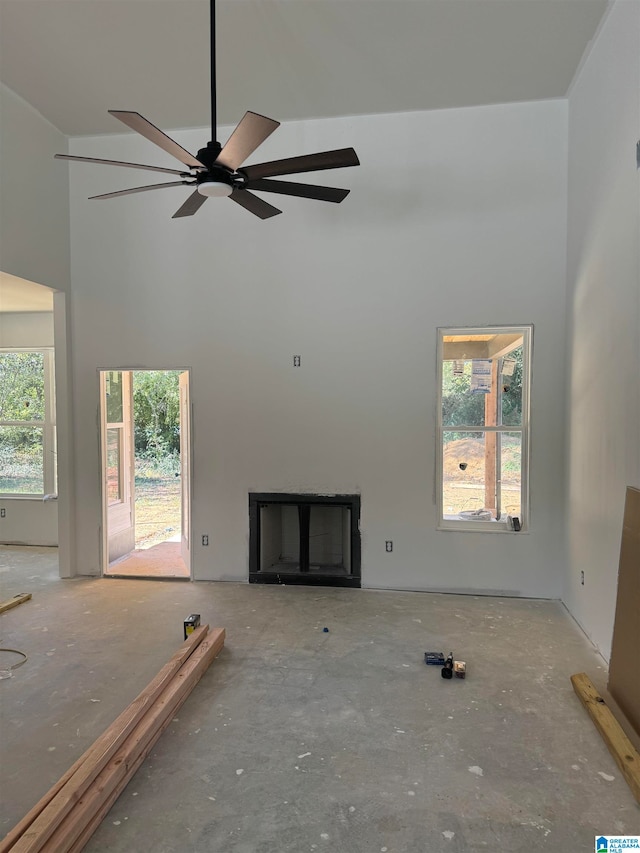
(185, 467)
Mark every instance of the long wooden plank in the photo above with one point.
(626, 756)
(15, 601)
(88, 813)
(103, 811)
(43, 818)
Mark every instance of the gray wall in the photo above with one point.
(467, 228)
(35, 245)
(34, 214)
(603, 399)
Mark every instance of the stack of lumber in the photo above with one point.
(66, 817)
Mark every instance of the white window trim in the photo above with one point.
(496, 526)
(48, 426)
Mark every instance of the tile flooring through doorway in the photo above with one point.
(297, 739)
(163, 560)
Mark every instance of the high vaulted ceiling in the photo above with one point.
(288, 59)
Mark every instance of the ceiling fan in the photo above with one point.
(216, 169)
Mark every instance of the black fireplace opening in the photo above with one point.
(304, 539)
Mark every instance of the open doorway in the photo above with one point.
(145, 440)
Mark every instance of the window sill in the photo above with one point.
(452, 522)
(37, 498)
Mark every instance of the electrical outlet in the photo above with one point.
(582, 578)
(388, 546)
(296, 361)
(3, 512)
(205, 539)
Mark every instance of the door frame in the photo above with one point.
(103, 534)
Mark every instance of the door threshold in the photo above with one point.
(148, 577)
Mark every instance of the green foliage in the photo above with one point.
(21, 462)
(156, 469)
(512, 391)
(22, 400)
(156, 411)
(21, 386)
(459, 405)
(462, 407)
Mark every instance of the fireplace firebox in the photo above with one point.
(304, 539)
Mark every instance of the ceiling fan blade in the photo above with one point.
(254, 204)
(142, 189)
(306, 163)
(251, 131)
(191, 205)
(140, 124)
(118, 163)
(302, 190)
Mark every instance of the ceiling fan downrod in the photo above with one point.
(212, 21)
(209, 154)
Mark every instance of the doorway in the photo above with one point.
(146, 473)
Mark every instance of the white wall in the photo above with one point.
(34, 244)
(28, 521)
(29, 329)
(456, 217)
(34, 214)
(603, 449)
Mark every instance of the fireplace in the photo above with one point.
(304, 539)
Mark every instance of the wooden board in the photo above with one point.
(626, 756)
(624, 672)
(34, 829)
(15, 601)
(82, 821)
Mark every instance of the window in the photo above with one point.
(483, 428)
(27, 423)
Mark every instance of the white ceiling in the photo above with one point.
(288, 59)
(20, 295)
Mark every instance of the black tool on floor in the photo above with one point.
(447, 669)
(191, 623)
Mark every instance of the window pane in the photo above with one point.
(463, 473)
(21, 386)
(511, 467)
(511, 388)
(114, 397)
(461, 404)
(21, 460)
(114, 465)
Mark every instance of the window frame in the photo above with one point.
(47, 425)
(500, 525)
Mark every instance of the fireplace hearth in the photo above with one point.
(304, 539)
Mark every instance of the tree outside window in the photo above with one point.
(27, 424)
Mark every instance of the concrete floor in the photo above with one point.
(301, 740)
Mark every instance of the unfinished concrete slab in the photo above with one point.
(303, 739)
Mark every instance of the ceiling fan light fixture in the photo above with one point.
(215, 189)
